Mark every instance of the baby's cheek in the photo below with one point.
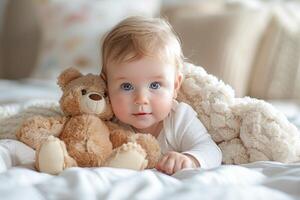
(118, 104)
(163, 103)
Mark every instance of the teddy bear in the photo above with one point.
(84, 136)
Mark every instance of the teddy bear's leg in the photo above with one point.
(128, 156)
(35, 130)
(52, 156)
(150, 145)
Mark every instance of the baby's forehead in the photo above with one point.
(140, 69)
(143, 62)
(144, 66)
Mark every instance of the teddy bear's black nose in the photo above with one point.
(95, 97)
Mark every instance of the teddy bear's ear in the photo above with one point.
(68, 75)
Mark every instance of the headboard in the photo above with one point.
(19, 40)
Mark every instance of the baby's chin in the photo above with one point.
(141, 128)
(153, 129)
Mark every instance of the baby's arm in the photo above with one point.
(196, 147)
(197, 143)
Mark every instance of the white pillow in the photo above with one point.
(276, 72)
(72, 31)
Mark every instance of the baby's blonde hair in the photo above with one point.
(136, 37)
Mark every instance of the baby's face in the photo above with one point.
(141, 92)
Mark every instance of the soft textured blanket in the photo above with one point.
(246, 129)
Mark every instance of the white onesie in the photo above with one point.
(183, 132)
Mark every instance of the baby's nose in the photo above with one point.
(140, 98)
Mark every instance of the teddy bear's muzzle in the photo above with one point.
(92, 103)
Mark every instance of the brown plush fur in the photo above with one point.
(88, 137)
(37, 129)
(148, 143)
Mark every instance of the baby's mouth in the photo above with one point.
(141, 114)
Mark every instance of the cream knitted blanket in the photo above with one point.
(246, 129)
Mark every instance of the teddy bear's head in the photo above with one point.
(83, 94)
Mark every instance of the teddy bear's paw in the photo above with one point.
(50, 156)
(128, 156)
(149, 143)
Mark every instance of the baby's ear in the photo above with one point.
(177, 83)
(67, 76)
(103, 76)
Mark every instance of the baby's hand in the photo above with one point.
(173, 161)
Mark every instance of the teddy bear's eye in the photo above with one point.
(83, 92)
(105, 94)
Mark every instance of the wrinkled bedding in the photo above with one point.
(264, 180)
(261, 180)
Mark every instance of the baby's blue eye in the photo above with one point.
(126, 86)
(155, 85)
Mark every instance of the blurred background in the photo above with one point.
(254, 46)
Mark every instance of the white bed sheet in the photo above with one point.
(261, 180)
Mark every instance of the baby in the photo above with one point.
(142, 58)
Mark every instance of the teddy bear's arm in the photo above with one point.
(118, 135)
(35, 130)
